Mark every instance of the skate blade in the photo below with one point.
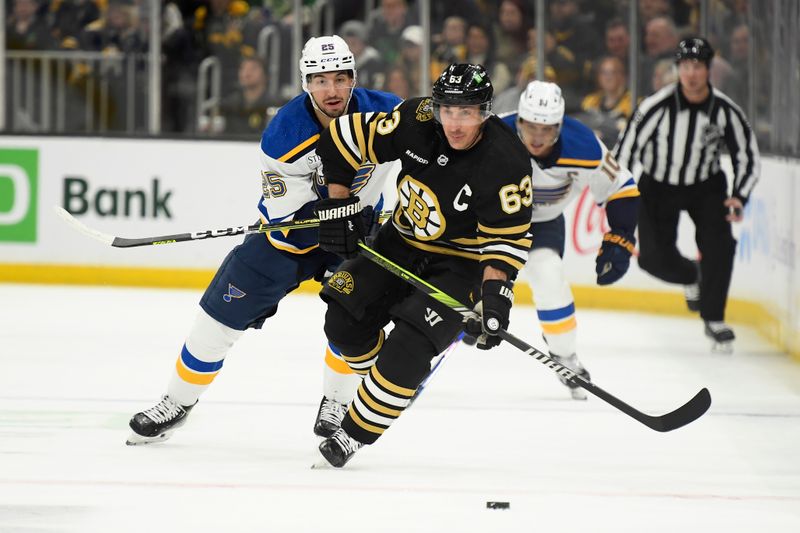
(138, 440)
(725, 348)
(322, 464)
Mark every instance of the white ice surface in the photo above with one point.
(76, 362)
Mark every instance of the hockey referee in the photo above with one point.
(676, 135)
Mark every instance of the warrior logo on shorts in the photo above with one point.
(233, 292)
(341, 281)
(425, 110)
(421, 209)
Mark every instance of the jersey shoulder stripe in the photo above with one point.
(291, 133)
(579, 146)
(370, 100)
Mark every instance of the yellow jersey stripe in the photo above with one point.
(588, 163)
(504, 231)
(195, 378)
(442, 250)
(336, 364)
(364, 425)
(505, 259)
(372, 126)
(291, 249)
(388, 385)
(359, 129)
(375, 406)
(633, 192)
(485, 240)
(299, 148)
(334, 128)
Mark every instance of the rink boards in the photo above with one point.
(137, 188)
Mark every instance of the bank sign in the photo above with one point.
(19, 176)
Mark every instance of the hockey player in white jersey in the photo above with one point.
(258, 273)
(567, 157)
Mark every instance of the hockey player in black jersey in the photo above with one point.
(461, 223)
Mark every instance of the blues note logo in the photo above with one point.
(233, 292)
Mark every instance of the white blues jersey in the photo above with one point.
(291, 171)
(579, 159)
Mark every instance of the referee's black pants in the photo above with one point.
(659, 210)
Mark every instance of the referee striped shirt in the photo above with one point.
(679, 143)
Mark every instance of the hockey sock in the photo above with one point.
(201, 358)
(339, 382)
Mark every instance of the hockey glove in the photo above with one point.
(492, 313)
(340, 225)
(614, 257)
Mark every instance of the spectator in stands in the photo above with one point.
(650, 9)
(386, 25)
(452, 46)
(369, 63)
(573, 31)
(610, 106)
(480, 50)
(246, 111)
(397, 83)
(410, 58)
(618, 40)
(738, 87)
(664, 73)
(219, 31)
(660, 41)
(117, 31)
(560, 67)
(26, 29)
(510, 33)
(69, 17)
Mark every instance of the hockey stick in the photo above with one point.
(687, 413)
(122, 242)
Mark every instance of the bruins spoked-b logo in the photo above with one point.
(421, 209)
(342, 282)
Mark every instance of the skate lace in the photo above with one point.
(570, 362)
(164, 410)
(346, 442)
(332, 411)
(717, 327)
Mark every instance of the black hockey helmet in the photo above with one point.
(463, 84)
(694, 48)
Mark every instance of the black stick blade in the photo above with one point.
(685, 414)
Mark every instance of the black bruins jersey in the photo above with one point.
(473, 203)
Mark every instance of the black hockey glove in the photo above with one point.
(493, 310)
(341, 226)
(614, 256)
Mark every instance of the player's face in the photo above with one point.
(693, 75)
(331, 91)
(538, 138)
(461, 124)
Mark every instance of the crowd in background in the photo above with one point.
(586, 50)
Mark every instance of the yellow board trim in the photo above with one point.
(336, 364)
(588, 163)
(299, 148)
(631, 300)
(194, 378)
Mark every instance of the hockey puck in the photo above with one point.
(498, 505)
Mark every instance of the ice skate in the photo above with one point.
(339, 448)
(575, 365)
(329, 417)
(721, 335)
(158, 423)
(692, 292)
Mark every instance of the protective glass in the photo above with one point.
(470, 115)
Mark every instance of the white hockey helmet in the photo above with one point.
(541, 102)
(325, 54)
